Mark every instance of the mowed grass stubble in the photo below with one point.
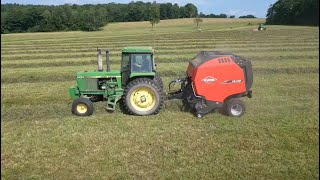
(277, 138)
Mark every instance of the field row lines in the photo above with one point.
(103, 35)
(269, 47)
(194, 40)
(60, 77)
(161, 54)
(75, 65)
(84, 62)
(116, 61)
(146, 39)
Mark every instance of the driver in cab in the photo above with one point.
(141, 63)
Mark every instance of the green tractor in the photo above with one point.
(136, 84)
(262, 27)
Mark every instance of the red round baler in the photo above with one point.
(216, 80)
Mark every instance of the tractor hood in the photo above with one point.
(98, 74)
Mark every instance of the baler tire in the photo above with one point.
(140, 83)
(234, 107)
(82, 107)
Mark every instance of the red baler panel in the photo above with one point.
(217, 80)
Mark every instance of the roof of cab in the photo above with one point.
(138, 50)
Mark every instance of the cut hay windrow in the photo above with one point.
(116, 61)
(270, 60)
(270, 48)
(31, 50)
(160, 54)
(68, 76)
(144, 39)
(152, 43)
(164, 36)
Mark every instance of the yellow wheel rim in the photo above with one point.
(143, 99)
(82, 108)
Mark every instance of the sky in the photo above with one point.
(238, 8)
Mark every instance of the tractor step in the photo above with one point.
(112, 102)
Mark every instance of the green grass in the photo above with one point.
(277, 138)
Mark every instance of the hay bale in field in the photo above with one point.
(255, 29)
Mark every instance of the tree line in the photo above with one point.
(294, 12)
(44, 18)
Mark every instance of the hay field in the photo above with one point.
(277, 138)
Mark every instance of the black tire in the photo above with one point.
(234, 107)
(159, 81)
(82, 107)
(152, 87)
(199, 115)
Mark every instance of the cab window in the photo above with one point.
(125, 64)
(141, 63)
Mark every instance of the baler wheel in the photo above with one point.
(199, 115)
(143, 97)
(234, 107)
(82, 107)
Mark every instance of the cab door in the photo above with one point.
(125, 68)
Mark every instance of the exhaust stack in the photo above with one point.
(100, 68)
(108, 59)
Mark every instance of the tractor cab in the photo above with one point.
(137, 62)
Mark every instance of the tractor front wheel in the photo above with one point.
(143, 97)
(82, 107)
(234, 107)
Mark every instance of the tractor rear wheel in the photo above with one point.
(159, 81)
(234, 107)
(143, 97)
(82, 107)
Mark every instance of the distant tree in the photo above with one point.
(170, 12)
(213, 16)
(182, 12)
(136, 11)
(3, 23)
(191, 10)
(201, 15)
(175, 11)
(154, 17)
(247, 16)
(295, 12)
(14, 21)
(45, 23)
(91, 20)
(164, 11)
(88, 17)
(198, 20)
(223, 16)
(232, 16)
